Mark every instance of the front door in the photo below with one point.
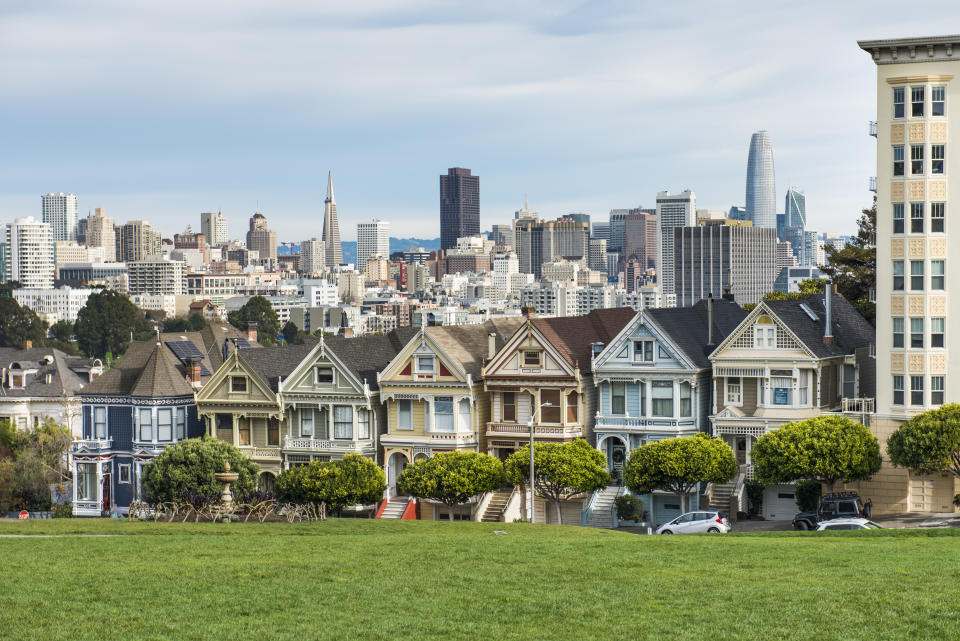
(616, 455)
(398, 462)
(105, 508)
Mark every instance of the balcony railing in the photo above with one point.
(872, 128)
(93, 444)
(538, 430)
(86, 508)
(261, 452)
(872, 184)
(641, 421)
(857, 406)
(308, 444)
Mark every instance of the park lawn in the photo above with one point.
(364, 579)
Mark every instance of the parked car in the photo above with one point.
(694, 522)
(832, 506)
(848, 524)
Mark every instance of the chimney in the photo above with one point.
(529, 310)
(193, 371)
(28, 345)
(252, 331)
(827, 304)
(710, 319)
(491, 345)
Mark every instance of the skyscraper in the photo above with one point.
(459, 206)
(795, 209)
(60, 212)
(101, 232)
(213, 226)
(29, 253)
(673, 210)
(331, 227)
(138, 240)
(373, 239)
(538, 241)
(260, 238)
(312, 258)
(761, 196)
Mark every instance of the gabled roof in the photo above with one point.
(572, 336)
(160, 378)
(850, 329)
(687, 326)
(62, 368)
(369, 354)
(122, 376)
(209, 341)
(274, 363)
(469, 344)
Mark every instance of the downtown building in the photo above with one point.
(29, 253)
(761, 190)
(673, 210)
(60, 212)
(373, 239)
(539, 241)
(459, 206)
(331, 228)
(101, 232)
(261, 239)
(213, 226)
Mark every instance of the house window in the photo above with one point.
(643, 398)
(404, 414)
(937, 217)
(916, 101)
(734, 391)
(100, 422)
(764, 333)
(937, 274)
(181, 423)
(938, 97)
(898, 390)
(443, 414)
(916, 218)
(618, 398)
(937, 329)
(937, 158)
(782, 387)
(306, 421)
(916, 332)
(363, 423)
(531, 358)
(805, 376)
(238, 384)
(936, 390)
(898, 332)
(165, 424)
(897, 218)
(324, 374)
(224, 423)
(898, 102)
(643, 351)
(916, 390)
(898, 275)
(552, 413)
(573, 408)
(343, 421)
(87, 481)
(273, 431)
(916, 159)
(123, 473)
(661, 395)
(463, 424)
(898, 160)
(425, 364)
(686, 406)
(243, 429)
(509, 411)
(916, 275)
(146, 425)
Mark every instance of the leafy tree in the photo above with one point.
(258, 310)
(173, 325)
(928, 442)
(755, 491)
(808, 495)
(452, 478)
(106, 323)
(196, 322)
(354, 480)
(62, 331)
(561, 470)
(292, 334)
(678, 465)
(808, 286)
(7, 433)
(19, 325)
(36, 461)
(189, 467)
(854, 267)
(826, 448)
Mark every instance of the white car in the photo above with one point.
(848, 524)
(695, 522)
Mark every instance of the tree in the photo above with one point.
(187, 469)
(928, 443)
(36, 461)
(196, 321)
(854, 267)
(808, 287)
(19, 325)
(106, 323)
(62, 331)
(355, 480)
(452, 478)
(258, 310)
(562, 471)
(292, 334)
(826, 448)
(193, 323)
(678, 465)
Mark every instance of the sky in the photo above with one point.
(162, 110)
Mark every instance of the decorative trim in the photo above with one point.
(901, 80)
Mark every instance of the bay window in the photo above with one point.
(551, 413)
(508, 411)
(165, 424)
(782, 390)
(618, 398)
(898, 390)
(306, 422)
(938, 97)
(463, 422)
(661, 396)
(243, 430)
(443, 414)
(363, 423)
(86, 481)
(573, 407)
(343, 421)
(404, 414)
(916, 101)
(898, 102)
(686, 405)
(181, 423)
(734, 393)
(146, 425)
(100, 422)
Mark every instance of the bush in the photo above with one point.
(63, 511)
(452, 477)
(185, 472)
(354, 480)
(808, 495)
(629, 508)
(754, 497)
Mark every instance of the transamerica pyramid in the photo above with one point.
(331, 227)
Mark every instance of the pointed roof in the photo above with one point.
(329, 198)
(572, 336)
(687, 326)
(369, 354)
(160, 378)
(469, 344)
(274, 363)
(850, 329)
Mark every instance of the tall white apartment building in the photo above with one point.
(312, 256)
(101, 232)
(598, 254)
(60, 212)
(156, 275)
(29, 253)
(53, 305)
(673, 210)
(67, 252)
(504, 265)
(373, 239)
(213, 226)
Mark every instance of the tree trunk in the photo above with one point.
(559, 515)
(683, 502)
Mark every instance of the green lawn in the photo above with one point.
(362, 579)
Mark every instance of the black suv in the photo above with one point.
(838, 505)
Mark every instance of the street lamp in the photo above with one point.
(530, 424)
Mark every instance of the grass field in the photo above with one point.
(362, 579)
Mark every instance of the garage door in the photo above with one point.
(932, 493)
(665, 508)
(779, 503)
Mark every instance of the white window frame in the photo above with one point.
(404, 414)
(145, 411)
(937, 389)
(898, 386)
(645, 353)
(165, 413)
(123, 474)
(181, 422)
(96, 431)
(308, 426)
(316, 374)
(765, 336)
(338, 429)
(734, 391)
(934, 91)
(363, 423)
(464, 416)
(421, 361)
(441, 418)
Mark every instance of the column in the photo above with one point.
(236, 429)
(749, 447)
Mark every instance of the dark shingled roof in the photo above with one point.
(687, 326)
(159, 377)
(272, 363)
(573, 335)
(122, 376)
(209, 341)
(67, 373)
(850, 329)
(469, 344)
(367, 355)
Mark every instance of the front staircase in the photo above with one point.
(394, 508)
(497, 505)
(601, 515)
(720, 497)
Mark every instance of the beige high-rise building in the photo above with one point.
(101, 233)
(213, 226)
(138, 240)
(312, 256)
(260, 238)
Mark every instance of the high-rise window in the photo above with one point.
(937, 159)
(898, 102)
(916, 275)
(916, 159)
(936, 390)
(937, 329)
(916, 102)
(898, 332)
(898, 160)
(897, 218)
(937, 217)
(898, 390)
(916, 332)
(938, 96)
(898, 275)
(916, 390)
(937, 276)
(916, 218)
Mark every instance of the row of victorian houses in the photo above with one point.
(615, 377)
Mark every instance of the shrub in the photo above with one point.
(629, 508)
(452, 478)
(185, 472)
(63, 511)
(808, 495)
(354, 480)
(754, 497)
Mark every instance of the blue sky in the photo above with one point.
(161, 110)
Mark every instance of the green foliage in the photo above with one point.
(258, 310)
(854, 267)
(562, 470)
(452, 477)
(629, 507)
(106, 322)
(807, 493)
(928, 442)
(678, 464)
(193, 323)
(7, 433)
(825, 448)
(19, 325)
(808, 287)
(292, 334)
(62, 331)
(754, 497)
(189, 467)
(63, 511)
(35, 462)
(196, 322)
(354, 480)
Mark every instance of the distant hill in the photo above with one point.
(396, 245)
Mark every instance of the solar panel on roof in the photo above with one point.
(812, 314)
(184, 350)
(243, 343)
